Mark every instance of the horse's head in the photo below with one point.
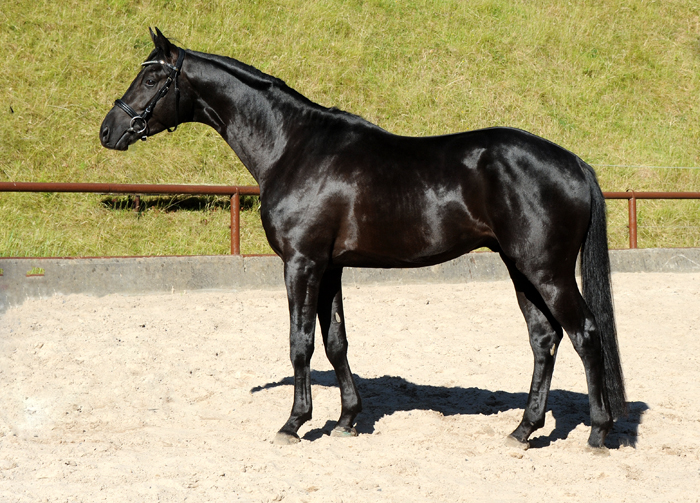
(152, 102)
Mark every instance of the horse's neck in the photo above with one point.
(251, 113)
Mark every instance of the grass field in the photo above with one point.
(616, 82)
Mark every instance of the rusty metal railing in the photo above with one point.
(137, 189)
(235, 191)
(632, 197)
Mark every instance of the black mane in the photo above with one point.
(261, 80)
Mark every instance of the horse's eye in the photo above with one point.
(150, 83)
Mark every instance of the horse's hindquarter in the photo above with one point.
(539, 198)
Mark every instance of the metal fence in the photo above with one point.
(632, 197)
(137, 190)
(235, 191)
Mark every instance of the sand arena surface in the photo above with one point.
(178, 398)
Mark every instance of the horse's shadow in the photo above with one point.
(385, 395)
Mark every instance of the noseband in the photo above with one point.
(139, 122)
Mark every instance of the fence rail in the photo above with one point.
(632, 197)
(235, 191)
(137, 190)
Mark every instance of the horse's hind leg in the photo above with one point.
(332, 322)
(569, 308)
(564, 301)
(545, 336)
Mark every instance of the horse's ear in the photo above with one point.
(162, 44)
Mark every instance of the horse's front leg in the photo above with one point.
(332, 322)
(302, 278)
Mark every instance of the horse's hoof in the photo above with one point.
(283, 438)
(511, 441)
(339, 431)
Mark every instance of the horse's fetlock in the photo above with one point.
(353, 409)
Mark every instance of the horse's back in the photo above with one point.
(384, 200)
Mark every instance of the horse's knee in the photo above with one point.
(336, 349)
(335, 341)
(301, 351)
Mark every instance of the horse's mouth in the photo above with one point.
(122, 146)
(123, 141)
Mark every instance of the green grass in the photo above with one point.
(616, 82)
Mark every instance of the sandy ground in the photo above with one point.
(178, 397)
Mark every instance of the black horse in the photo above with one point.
(337, 191)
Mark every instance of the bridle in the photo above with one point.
(139, 122)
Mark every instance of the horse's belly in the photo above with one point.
(389, 250)
(411, 229)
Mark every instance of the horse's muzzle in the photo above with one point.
(114, 135)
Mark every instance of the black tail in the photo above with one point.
(597, 292)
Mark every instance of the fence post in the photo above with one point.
(632, 207)
(236, 224)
